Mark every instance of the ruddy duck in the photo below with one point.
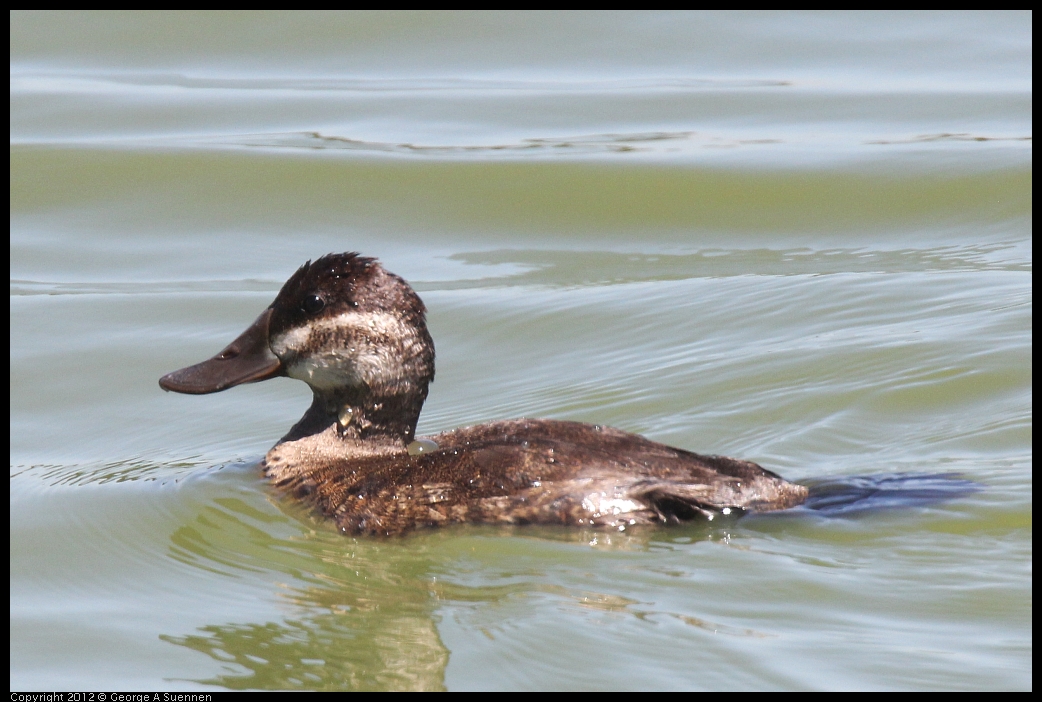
(357, 335)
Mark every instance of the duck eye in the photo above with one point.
(313, 304)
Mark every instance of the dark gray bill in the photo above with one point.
(248, 359)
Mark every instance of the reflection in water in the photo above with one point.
(868, 493)
(360, 614)
(363, 614)
(393, 652)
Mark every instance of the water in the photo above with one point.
(799, 239)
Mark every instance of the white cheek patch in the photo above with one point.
(326, 371)
(346, 350)
(287, 341)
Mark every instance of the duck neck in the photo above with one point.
(359, 415)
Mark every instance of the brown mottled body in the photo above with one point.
(528, 471)
(357, 336)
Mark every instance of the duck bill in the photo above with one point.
(248, 359)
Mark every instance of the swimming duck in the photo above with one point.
(357, 335)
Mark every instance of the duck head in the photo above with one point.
(356, 334)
